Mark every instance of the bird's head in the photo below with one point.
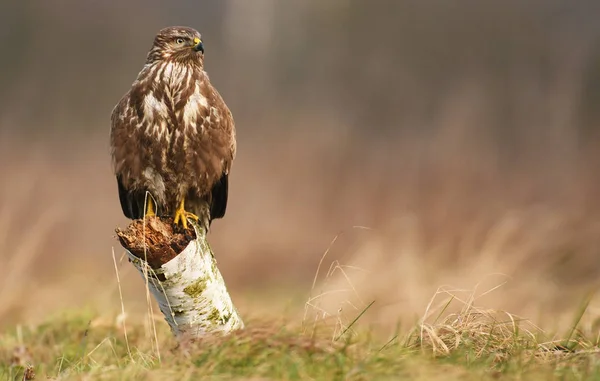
(177, 43)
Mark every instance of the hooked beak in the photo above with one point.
(198, 45)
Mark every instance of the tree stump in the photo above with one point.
(182, 276)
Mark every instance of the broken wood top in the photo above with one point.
(155, 240)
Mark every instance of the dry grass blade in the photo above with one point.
(482, 332)
(122, 306)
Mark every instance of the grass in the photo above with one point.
(469, 344)
(455, 339)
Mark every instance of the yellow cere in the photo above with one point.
(196, 41)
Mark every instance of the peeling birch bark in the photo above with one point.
(182, 276)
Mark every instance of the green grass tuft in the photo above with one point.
(472, 344)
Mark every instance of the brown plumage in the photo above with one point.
(172, 135)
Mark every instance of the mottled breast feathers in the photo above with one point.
(172, 135)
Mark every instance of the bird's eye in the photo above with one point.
(179, 40)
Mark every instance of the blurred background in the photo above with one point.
(437, 143)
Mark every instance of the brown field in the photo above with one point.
(398, 223)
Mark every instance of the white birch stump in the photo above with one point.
(182, 276)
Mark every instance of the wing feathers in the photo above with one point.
(219, 195)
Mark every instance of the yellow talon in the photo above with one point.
(182, 215)
(150, 208)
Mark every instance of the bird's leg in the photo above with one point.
(182, 215)
(150, 208)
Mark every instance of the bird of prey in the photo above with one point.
(172, 136)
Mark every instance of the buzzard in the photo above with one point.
(172, 136)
